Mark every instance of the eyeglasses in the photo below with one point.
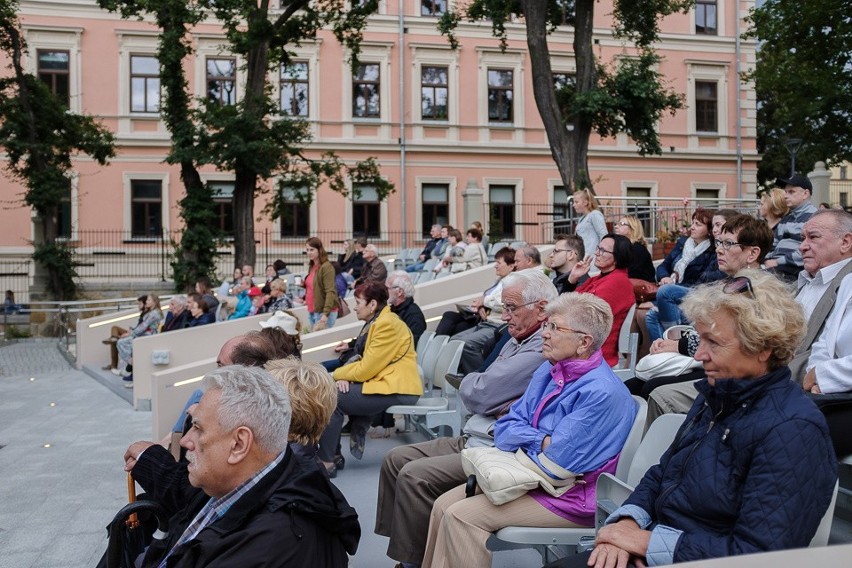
(549, 326)
(738, 285)
(600, 250)
(726, 245)
(511, 308)
(555, 251)
(623, 224)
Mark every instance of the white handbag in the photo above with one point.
(665, 365)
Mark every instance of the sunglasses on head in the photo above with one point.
(738, 285)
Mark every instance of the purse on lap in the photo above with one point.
(643, 290)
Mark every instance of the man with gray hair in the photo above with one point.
(374, 267)
(427, 252)
(401, 302)
(414, 476)
(178, 315)
(527, 257)
(247, 498)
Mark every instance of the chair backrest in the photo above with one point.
(657, 440)
(426, 276)
(447, 362)
(430, 264)
(634, 438)
(628, 343)
(430, 357)
(422, 344)
(824, 528)
(442, 274)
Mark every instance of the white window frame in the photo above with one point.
(720, 22)
(720, 187)
(64, 38)
(419, 182)
(438, 56)
(378, 53)
(511, 59)
(308, 53)
(216, 47)
(711, 72)
(163, 178)
(487, 182)
(313, 223)
(383, 214)
(74, 179)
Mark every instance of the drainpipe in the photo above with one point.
(402, 122)
(739, 106)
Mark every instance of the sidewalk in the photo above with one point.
(56, 501)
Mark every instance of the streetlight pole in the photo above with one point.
(793, 145)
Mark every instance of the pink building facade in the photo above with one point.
(423, 112)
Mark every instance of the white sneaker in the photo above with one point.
(125, 373)
(116, 372)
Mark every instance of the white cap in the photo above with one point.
(282, 320)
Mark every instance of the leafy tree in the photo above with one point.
(803, 82)
(41, 136)
(252, 138)
(626, 95)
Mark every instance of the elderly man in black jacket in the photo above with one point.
(248, 500)
(401, 302)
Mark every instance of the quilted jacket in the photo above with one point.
(692, 275)
(752, 469)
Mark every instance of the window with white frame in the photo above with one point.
(501, 211)
(706, 106)
(223, 203)
(295, 89)
(366, 91)
(54, 69)
(500, 95)
(144, 84)
(146, 208)
(433, 7)
(65, 218)
(295, 218)
(435, 206)
(222, 80)
(706, 17)
(640, 206)
(366, 211)
(434, 92)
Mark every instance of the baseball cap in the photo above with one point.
(255, 291)
(795, 181)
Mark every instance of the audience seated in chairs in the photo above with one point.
(259, 498)
(117, 332)
(401, 302)
(527, 257)
(455, 248)
(473, 255)
(243, 301)
(641, 264)
(572, 420)
(428, 249)
(567, 251)
(724, 486)
(199, 312)
(148, 326)
(178, 315)
(204, 287)
(278, 298)
(413, 476)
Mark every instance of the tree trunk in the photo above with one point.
(585, 60)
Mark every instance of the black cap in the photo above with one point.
(795, 181)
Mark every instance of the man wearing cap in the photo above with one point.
(785, 260)
(255, 294)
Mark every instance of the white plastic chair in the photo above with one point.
(628, 345)
(422, 344)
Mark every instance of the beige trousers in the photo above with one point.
(459, 527)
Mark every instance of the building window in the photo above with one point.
(54, 70)
(844, 199)
(436, 206)
(500, 95)
(146, 208)
(223, 203)
(843, 172)
(434, 93)
(295, 215)
(501, 215)
(365, 91)
(366, 209)
(705, 17)
(706, 106)
(222, 80)
(294, 89)
(640, 207)
(707, 194)
(64, 219)
(562, 211)
(433, 7)
(144, 84)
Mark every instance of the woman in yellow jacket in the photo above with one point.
(382, 373)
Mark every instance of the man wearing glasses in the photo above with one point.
(413, 476)
(566, 252)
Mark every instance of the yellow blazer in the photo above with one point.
(389, 364)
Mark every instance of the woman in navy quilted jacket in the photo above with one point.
(752, 469)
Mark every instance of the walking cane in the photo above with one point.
(132, 521)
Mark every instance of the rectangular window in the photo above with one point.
(706, 106)
(436, 206)
(561, 211)
(64, 220)
(295, 215)
(843, 172)
(844, 199)
(294, 89)
(365, 91)
(707, 194)
(640, 207)
(146, 208)
(433, 93)
(366, 209)
(222, 80)
(705, 17)
(500, 95)
(433, 7)
(223, 200)
(501, 215)
(54, 69)
(144, 84)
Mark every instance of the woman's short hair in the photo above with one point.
(372, 290)
(253, 398)
(584, 312)
(750, 232)
(402, 280)
(456, 234)
(622, 249)
(705, 216)
(635, 230)
(768, 317)
(475, 233)
(773, 199)
(535, 284)
(200, 301)
(313, 397)
(278, 284)
(507, 254)
(322, 255)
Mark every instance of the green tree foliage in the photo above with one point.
(803, 79)
(41, 136)
(252, 138)
(607, 97)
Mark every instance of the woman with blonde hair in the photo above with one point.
(772, 208)
(320, 289)
(641, 266)
(591, 227)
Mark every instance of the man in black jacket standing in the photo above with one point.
(248, 500)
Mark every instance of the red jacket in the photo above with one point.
(617, 291)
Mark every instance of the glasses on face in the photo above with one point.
(623, 224)
(738, 285)
(549, 326)
(726, 245)
(555, 251)
(600, 250)
(512, 308)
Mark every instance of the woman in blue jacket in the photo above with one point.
(752, 469)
